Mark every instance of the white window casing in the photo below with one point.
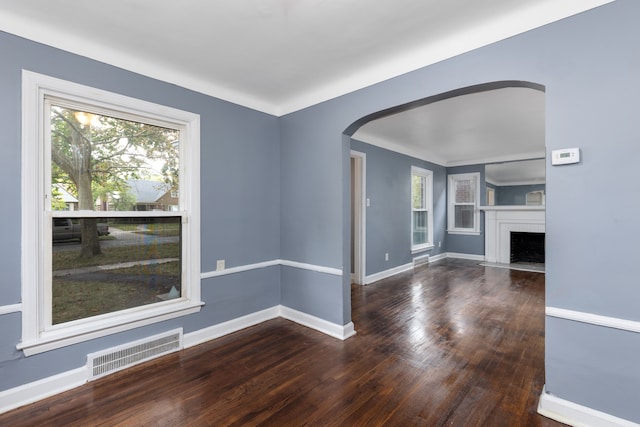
(38, 333)
(463, 213)
(421, 206)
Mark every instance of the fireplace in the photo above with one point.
(527, 247)
(502, 221)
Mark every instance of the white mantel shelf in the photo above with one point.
(500, 221)
(512, 208)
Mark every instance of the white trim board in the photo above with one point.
(37, 390)
(272, 263)
(573, 414)
(10, 308)
(594, 319)
(216, 331)
(407, 267)
(472, 257)
(438, 257)
(311, 267)
(200, 336)
(47, 387)
(342, 332)
(387, 273)
(240, 269)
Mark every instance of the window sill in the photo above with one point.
(421, 248)
(463, 232)
(63, 337)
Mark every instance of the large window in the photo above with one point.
(464, 214)
(110, 207)
(421, 209)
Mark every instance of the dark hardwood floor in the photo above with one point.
(452, 344)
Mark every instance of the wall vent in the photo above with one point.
(420, 260)
(124, 356)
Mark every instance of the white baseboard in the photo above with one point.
(438, 257)
(341, 332)
(573, 414)
(216, 331)
(47, 387)
(41, 389)
(388, 273)
(471, 257)
(407, 267)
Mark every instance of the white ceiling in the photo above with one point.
(498, 125)
(279, 56)
(524, 172)
(276, 56)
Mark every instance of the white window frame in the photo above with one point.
(452, 179)
(428, 198)
(38, 334)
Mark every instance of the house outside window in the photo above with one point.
(120, 268)
(421, 209)
(463, 210)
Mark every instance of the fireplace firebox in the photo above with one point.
(527, 247)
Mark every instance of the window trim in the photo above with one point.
(35, 337)
(452, 178)
(428, 197)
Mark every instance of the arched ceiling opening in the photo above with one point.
(493, 123)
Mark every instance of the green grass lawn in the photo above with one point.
(71, 259)
(78, 296)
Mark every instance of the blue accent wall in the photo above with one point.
(278, 188)
(590, 79)
(463, 243)
(388, 218)
(515, 194)
(240, 201)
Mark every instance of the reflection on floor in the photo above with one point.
(522, 266)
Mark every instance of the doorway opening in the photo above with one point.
(358, 235)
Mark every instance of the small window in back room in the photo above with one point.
(464, 215)
(421, 208)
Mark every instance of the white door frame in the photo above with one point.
(359, 212)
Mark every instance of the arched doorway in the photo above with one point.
(496, 122)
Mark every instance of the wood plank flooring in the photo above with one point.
(451, 344)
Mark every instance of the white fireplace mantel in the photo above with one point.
(500, 221)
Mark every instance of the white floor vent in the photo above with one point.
(420, 260)
(124, 356)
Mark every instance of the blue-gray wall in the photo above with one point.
(515, 194)
(296, 171)
(240, 198)
(388, 218)
(588, 65)
(463, 243)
